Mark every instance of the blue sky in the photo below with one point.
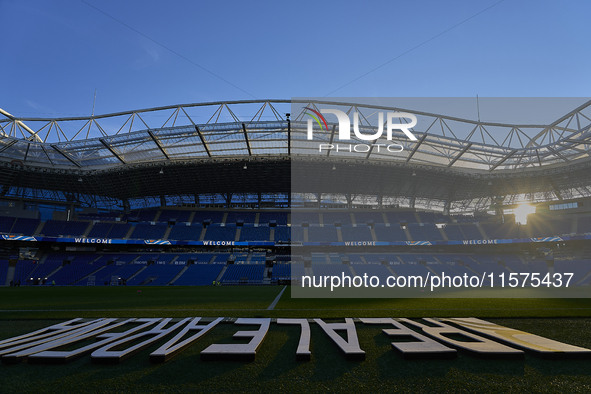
(55, 54)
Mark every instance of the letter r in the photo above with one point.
(403, 127)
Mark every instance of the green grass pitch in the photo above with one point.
(24, 309)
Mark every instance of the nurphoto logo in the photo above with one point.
(345, 130)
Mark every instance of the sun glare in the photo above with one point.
(521, 213)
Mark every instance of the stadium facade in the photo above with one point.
(231, 191)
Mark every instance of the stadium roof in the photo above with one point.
(204, 148)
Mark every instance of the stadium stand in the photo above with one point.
(368, 217)
(155, 275)
(249, 233)
(344, 218)
(320, 270)
(389, 234)
(359, 233)
(72, 273)
(3, 271)
(297, 218)
(23, 271)
(243, 274)
(323, 234)
(208, 216)
(178, 216)
(183, 232)
(218, 233)
(282, 233)
(62, 228)
(454, 232)
(148, 231)
(199, 275)
(410, 269)
(372, 270)
(119, 230)
(25, 226)
(235, 217)
(280, 218)
(6, 223)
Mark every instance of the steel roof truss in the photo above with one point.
(112, 150)
(158, 144)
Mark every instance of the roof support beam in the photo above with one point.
(8, 145)
(288, 135)
(112, 150)
(557, 153)
(27, 152)
(419, 142)
(203, 142)
(246, 139)
(459, 154)
(555, 189)
(159, 144)
(505, 158)
(61, 152)
(334, 127)
(21, 124)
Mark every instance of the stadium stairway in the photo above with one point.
(574, 225)
(585, 279)
(137, 273)
(481, 230)
(191, 216)
(10, 274)
(372, 231)
(86, 277)
(339, 234)
(222, 272)
(131, 228)
(433, 272)
(38, 229)
(266, 277)
(443, 234)
(238, 231)
(352, 270)
(417, 217)
(391, 270)
(407, 233)
(186, 267)
(48, 276)
(167, 233)
(88, 229)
